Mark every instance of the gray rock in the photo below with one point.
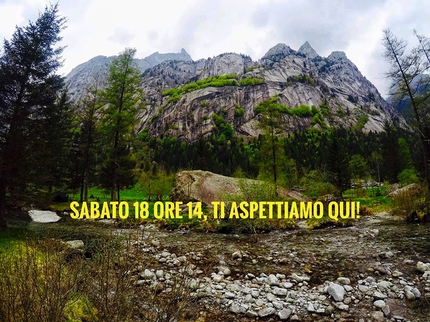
(267, 311)
(229, 295)
(259, 302)
(344, 280)
(272, 280)
(251, 314)
(217, 278)
(270, 297)
(341, 306)
(299, 279)
(277, 305)
(75, 244)
(386, 310)
(236, 255)
(288, 285)
(279, 291)
(284, 314)
(379, 295)
(363, 288)
(159, 273)
(234, 287)
(379, 304)
(147, 274)
(378, 316)
(409, 295)
(237, 308)
(396, 273)
(336, 291)
(416, 292)
(43, 216)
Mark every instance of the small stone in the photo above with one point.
(284, 314)
(422, 267)
(378, 316)
(386, 310)
(75, 244)
(363, 288)
(237, 308)
(348, 288)
(159, 273)
(229, 295)
(336, 291)
(259, 302)
(255, 294)
(217, 278)
(341, 306)
(288, 285)
(236, 255)
(295, 317)
(379, 304)
(251, 314)
(182, 259)
(279, 291)
(409, 295)
(329, 309)
(416, 292)
(299, 279)
(344, 280)
(273, 280)
(226, 271)
(234, 287)
(310, 307)
(266, 312)
(397, 273)
(278, 305)
(379, 295)
(270, 297)
(147, 274)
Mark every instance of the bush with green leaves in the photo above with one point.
(408, 176)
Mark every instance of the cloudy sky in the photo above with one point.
(206, 28)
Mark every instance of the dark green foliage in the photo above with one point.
(239, 112)
(339, 174)
(301, 79)
(123, 98)
(30, 104)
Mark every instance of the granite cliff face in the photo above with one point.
(334, 85)
(82, 75)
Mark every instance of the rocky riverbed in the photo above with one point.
(376, 270)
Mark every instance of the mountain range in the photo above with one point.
(184, 97)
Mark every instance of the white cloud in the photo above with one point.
(206, 28)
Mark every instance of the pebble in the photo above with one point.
(284, 314)
(378, 316)
(379, 304)
(266, 312)
(336, 291)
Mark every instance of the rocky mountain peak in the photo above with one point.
(337, 55)
(277, 52)
(307, 49)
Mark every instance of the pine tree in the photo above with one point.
(124, 98)
(86, 138)
(29, 88)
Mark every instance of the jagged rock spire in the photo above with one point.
(307, 49)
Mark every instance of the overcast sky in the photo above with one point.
(206, 28)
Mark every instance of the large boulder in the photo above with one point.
(205, 186)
